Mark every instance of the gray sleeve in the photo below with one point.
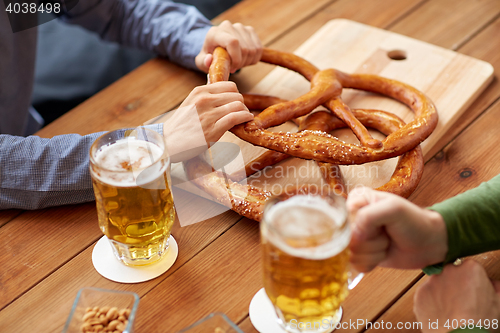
(37, 173)
(173, 30)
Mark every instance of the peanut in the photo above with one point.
(112, 325)
(94, 321)
(89, 315)
(105, 319)
(104, 310)
(112, 314)
(97, 327)
(120, 327)
(86, 326)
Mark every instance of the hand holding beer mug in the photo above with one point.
(130, 173)
(306, 260)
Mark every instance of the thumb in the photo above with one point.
(203, 61)
(496, 285)
(357, 199)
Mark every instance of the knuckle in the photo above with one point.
(234, 42)
(362, 218)
(232, 86)
(398, 206)
(203, 99)
(250, 29)
(235, 106)
(196, 90)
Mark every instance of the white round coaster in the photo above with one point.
(111, 268)
(263, 316)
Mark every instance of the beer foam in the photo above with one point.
(308, 227)
(125, 159)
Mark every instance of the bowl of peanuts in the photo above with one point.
(98, 310)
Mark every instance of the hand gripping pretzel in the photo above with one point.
(313, 141)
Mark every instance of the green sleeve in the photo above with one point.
(472, 221)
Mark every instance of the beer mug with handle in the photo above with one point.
(130, 171)
(305, 254)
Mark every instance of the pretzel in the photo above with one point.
(313, 140)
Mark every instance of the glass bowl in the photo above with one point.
(89, 298)
(216, 322)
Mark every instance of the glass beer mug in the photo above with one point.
(306, 260)
(130, 171)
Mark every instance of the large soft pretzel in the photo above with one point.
(313, 140)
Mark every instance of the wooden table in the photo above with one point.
(46, 254)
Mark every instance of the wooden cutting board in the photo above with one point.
(452, 80)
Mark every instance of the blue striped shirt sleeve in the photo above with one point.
(174, 30)
(37, 173)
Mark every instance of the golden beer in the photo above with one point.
(133, 196)
(306, 261)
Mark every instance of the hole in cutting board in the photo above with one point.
(397, 54)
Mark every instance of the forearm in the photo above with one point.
(472, 220)
(37, 172)
(174, 30)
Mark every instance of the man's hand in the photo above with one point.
(462, 293)
(241, 42)
(204, 116)
(392, 232)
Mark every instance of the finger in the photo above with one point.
(207, 61)
(228, 39)
(233, 98)
(232, 119)
(366, 262)
(229, 42)
(228, 108)
(370, 219)
(379, 244)
(219, 101)
(256, 44)
(245, 45)
(496, 286)
(361, 196)
(357, 198)
(217, 88)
